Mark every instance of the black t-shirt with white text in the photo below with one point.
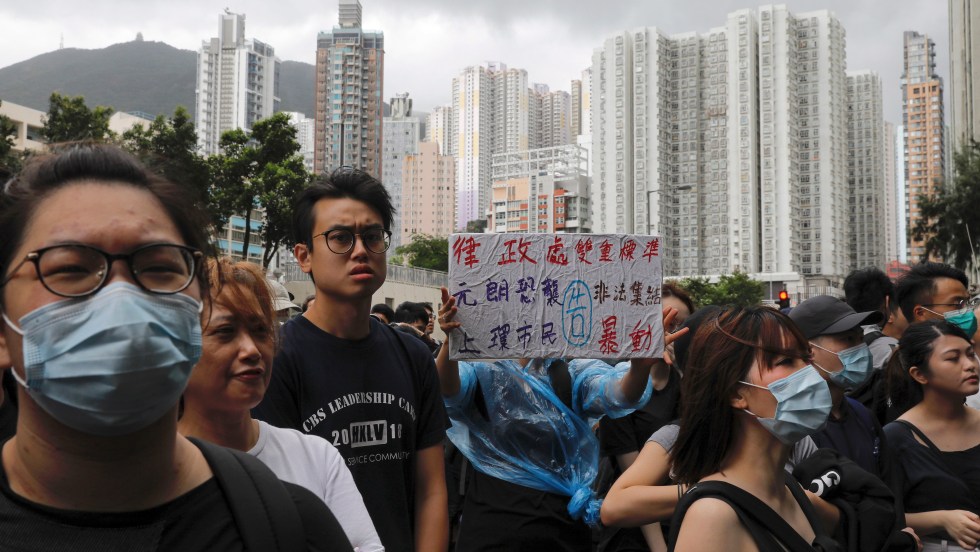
(376, 399)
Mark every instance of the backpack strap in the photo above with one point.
(263, 510)
(764, 524)
(870, 337)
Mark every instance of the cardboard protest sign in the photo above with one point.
(556, 295)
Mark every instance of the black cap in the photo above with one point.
(825, 315)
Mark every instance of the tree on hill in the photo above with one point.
(950, 221)
(258, 170)
(69, 119)
(426, 251)
(9, 162)
(169, 146)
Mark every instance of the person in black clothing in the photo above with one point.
(870, 289)
(101, 303)
(937, 441)
(8, 402)
(845, 362)
(621, 439)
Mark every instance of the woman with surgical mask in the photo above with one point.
(749, 395)
(937, 441)
(101, 300)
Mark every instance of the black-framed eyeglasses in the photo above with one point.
(971, 302)
(75, 270)
(341, 240)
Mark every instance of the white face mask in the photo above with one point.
(112, 363)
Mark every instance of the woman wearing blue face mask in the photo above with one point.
(937, 441)
(101, 300)
(749, 395)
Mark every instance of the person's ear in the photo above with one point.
(739, 400)
(302, 254)
(916, 374)
(5, 361)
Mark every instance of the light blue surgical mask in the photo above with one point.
(803, 404)
(112, 363)
(857, 364)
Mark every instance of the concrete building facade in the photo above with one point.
(237, 82)
(893, 237)
(348, 96)
(964, 53)
(428, 193)
(868, 191)
(305, 131)
(402, 134)
(924, 131)
(544, 190)
(729, 143)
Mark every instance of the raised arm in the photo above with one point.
(448, 369)
(634, 382)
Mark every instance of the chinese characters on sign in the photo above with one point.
(556, 295)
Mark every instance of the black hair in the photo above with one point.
(385, 311)
(344, 182)
(919, 284)
(409, 313)
(71, 163)
(693, 322)
(866, 289)
(914, 349)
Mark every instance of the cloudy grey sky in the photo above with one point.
(427, 42)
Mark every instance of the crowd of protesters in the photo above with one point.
(155, 397)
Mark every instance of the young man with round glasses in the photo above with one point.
(340, 374)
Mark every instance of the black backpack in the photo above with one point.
(264, 511)
(767, 528)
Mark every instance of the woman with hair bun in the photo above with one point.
(937, 441)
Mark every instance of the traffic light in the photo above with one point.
(783, 299)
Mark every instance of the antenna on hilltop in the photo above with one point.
(61, 45)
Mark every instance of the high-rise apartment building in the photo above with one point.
(543, 190)
(428, 193)
(731, 144)
(349, 92)
(305, 131)
(549, 117)
(922, 116)
(867, 188)
(490, 115)
(576, 107)
(237, 82)
(964, 53)
(439, 129)
(402, 134)
(893, 238)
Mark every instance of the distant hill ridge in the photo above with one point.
(152, 77)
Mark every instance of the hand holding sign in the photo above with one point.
(555, 295)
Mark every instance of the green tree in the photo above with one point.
(477, 226)
(426, 251)
(258, 170)
(169, 146)
(732, 289)
(950, 222)
(700, 289)
(69, 119)
(738, 289)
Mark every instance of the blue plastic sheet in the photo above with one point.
(529, 436)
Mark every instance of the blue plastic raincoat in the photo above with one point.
(529, 436)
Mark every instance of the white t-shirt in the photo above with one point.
(312, 462)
